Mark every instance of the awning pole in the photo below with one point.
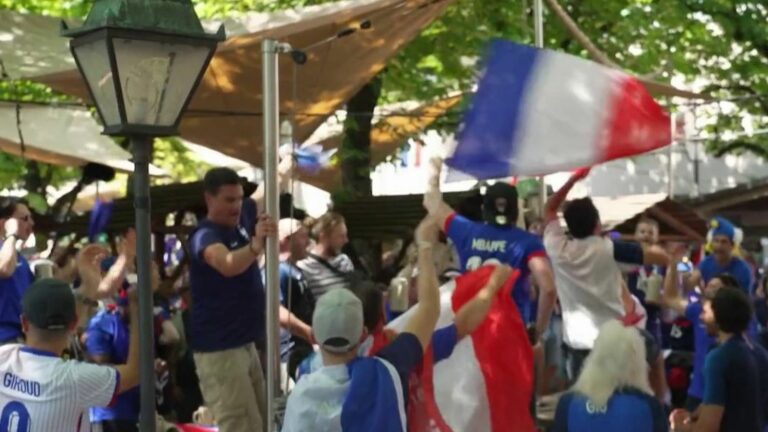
(271, 110)
(538, 34)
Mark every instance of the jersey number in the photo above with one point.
(14, 418)
(476, 262)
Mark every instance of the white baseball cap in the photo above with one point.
(287, 227)
(338, 320)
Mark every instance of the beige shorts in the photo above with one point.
(232, 383)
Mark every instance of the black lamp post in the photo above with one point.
(142, 60)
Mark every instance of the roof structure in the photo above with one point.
(346, 43)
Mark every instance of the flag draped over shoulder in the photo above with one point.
(539, 111)
(487, 383)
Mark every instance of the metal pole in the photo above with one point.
(271, 110)
(670, 152)
(142, 148)
(538, 34)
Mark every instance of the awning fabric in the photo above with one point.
(60, 136)
(225, 113)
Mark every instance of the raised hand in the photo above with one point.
(427, 233)
(433, 197)
(88, 262)
(265, 227)
(581, 173)
(500, 275)
(11, 227)
(127, 246)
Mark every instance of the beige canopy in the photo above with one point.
(61, 136)
(225, 113)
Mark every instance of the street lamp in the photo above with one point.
(142, 60)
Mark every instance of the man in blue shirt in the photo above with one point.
(16, 225)
(691, 307)
(107, 342)
(497, 240)
(296, 300)
(228, 306)
(724, 238)
(352, 393)
(735, 373)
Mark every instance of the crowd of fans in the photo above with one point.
(632, 334)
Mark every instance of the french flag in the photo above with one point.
(538, 112)
(487, 382)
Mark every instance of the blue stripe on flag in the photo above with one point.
(486, 140)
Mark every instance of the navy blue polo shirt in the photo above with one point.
(735, 377)
(11, 291)
(628, 410)
(226, 312)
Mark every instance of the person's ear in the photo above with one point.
(24, 324)
(73, 325)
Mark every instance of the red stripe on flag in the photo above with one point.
(636, 123)
(505, 356)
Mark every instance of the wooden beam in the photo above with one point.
(732, 200)
(668, 219)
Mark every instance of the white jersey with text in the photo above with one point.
(40, 392)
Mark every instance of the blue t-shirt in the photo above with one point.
(290, 277)
(107, 335)
(702, 344)
(627, 410)
(735, 374)
(738, 268)
(652, 311)
(11, 291)
(226, 312)
(479, 244)
(405, 354)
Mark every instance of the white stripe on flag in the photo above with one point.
(460, 391)
(398, 390)
(563, 90)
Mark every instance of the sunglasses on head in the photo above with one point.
(25, 218)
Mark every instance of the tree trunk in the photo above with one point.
(355, 151)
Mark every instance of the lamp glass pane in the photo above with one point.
(93, 58)
(156, 78)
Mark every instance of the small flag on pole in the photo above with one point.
(538, 112)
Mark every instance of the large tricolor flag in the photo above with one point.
(487, 383)
(539, 111)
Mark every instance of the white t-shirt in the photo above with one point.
(40, 392)
(588, 281)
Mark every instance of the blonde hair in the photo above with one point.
(326, 223)
(616, 361)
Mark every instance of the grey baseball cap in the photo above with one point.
(338, 320)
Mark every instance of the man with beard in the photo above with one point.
(735, 373)
(326, 266)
